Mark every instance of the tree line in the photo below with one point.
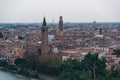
(91, 68)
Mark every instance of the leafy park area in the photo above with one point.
(91, 68)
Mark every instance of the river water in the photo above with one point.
(9, 76)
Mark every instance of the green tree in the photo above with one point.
(71, 64)
(50, 64)
(74, 75)
(113, 73)
(32, 61)
(72, 69)
(3, 63)
(96, 67)
(20, 62)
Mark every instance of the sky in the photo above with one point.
(24, 11)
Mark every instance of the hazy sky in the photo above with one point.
(71, 10)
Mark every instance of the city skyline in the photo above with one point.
(25, 11)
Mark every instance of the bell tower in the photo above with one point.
(60, 33)
(60, 23)
(44, 38)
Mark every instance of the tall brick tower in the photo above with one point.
(60, 33)
(44, 38)
(60, 23)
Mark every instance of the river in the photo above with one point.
(9, 76)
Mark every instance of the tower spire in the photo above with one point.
(44, 38)
(44, 22)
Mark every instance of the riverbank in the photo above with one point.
(9, 76)
(41, 76)
(15, 73)
(7, 70)
(46, 77)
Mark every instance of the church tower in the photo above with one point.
(44, 38)
(60, 32)
(60, 23)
